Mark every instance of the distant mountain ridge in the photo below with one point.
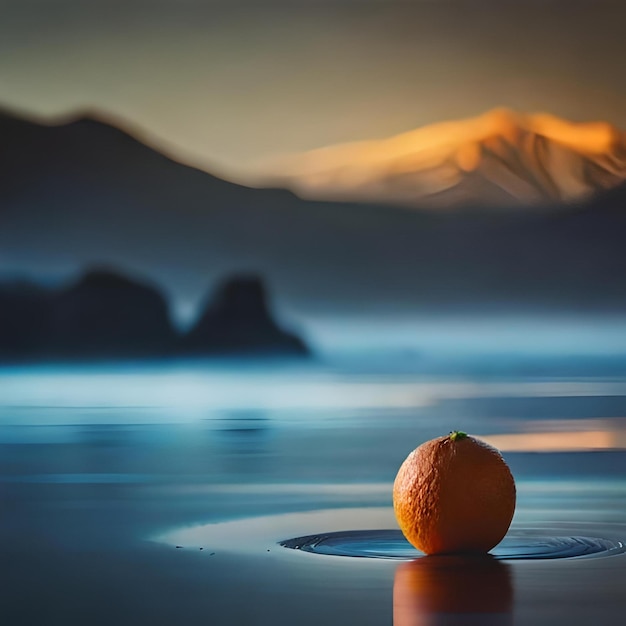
(90, 146)
(501, 159)
(86, 193)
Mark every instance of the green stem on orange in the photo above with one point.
(457, 435)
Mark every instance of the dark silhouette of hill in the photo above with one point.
(106, 315)
(237, 320)
(103, 315)
(84, 192)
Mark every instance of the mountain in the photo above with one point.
(85, 193)
(501, 159)
(237, 320)
(82, 192)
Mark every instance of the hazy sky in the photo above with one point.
(227, 82)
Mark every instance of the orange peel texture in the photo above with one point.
(454, 494)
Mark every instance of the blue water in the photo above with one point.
(391, 544)
(97, 461)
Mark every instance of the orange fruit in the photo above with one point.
(454, 494)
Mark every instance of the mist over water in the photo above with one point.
(467, 335)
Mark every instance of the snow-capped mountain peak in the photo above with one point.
(499, 159)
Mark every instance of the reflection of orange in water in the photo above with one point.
(454, 494)
(430, 590)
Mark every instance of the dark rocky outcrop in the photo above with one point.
(102, 316)
(105, 315)
(237, 321)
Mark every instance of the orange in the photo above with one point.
(454, 494)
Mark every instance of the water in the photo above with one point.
(391, 544)
(104, 471)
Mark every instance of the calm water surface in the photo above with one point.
(104, 471)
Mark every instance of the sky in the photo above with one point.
(226, 84)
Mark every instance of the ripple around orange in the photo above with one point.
(454, 494)
(443, 585)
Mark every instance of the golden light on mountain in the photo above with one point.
(499, 159)
(468, 157)
(592, 137)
